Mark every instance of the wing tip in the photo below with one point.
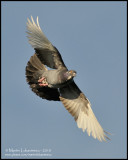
(101, 136)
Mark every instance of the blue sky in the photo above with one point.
(91, 37)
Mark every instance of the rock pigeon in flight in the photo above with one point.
(57, 84)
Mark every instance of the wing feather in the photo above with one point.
(79, 106)
(46, 52)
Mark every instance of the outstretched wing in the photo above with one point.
(80, 108)
(45, 51)
(34, 70)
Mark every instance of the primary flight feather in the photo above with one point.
(57, 84)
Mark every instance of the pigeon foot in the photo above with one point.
(43, 82)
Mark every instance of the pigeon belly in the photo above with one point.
(55, 79)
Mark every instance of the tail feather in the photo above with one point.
(30, 67)
(35, 62)
(34, 69)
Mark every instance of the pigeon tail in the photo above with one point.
(33, 67)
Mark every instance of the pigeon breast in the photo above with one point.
(56, 78)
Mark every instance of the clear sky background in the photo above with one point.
(91, 37)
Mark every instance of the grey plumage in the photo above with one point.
(57, 84)
(34, 70)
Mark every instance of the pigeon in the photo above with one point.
(50, 79)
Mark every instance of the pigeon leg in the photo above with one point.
(43, 82)
(40, 80)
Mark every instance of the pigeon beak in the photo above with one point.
(74, 74)
(69, 77)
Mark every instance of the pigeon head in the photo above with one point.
(70, 74)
